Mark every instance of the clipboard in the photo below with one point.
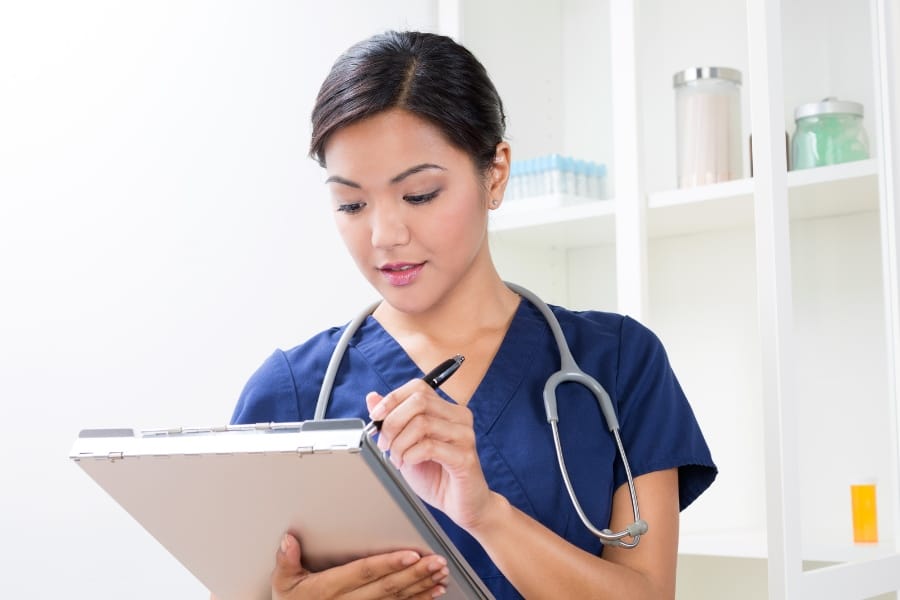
(220, 499)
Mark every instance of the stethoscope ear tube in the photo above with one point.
(334, 363)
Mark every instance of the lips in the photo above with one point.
(400, 274)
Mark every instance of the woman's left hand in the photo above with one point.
(432, 442)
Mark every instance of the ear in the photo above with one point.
(499, 174)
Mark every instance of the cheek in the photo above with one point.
(468, 213)
(353, 235)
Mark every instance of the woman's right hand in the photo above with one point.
(402, 574)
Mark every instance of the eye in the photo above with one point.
(351, 208)
(421, 198)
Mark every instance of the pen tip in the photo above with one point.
(459, 358)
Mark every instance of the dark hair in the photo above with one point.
(429, 75)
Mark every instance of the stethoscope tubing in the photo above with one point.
(569, 371)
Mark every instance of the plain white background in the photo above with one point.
(161, 232)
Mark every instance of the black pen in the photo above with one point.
(434, 378)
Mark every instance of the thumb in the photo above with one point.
(288, 571)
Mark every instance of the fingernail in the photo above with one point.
(439, 591)
(441, 575)
(284, 544)
(377, 413)
(438, 563)
(410, 559)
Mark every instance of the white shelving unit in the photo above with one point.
(752, 544)
(571, 222)
(776, 296)
(556, 221)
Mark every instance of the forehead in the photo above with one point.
(388, 143)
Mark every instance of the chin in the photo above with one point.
(407, 299)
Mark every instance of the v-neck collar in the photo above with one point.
(499, 384)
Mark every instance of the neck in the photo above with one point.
(476, 304)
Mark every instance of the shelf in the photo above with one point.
(752, 544)
(733, 544)
(555, 221)
(571, 222)
(715, 207)
(834, 191)
(813, 194)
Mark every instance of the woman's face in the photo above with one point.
(410, 207)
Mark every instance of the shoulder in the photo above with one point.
(313, 354)
(631, 352)
(278, 391)
(597, 332)
(623, 329)
(658, 425)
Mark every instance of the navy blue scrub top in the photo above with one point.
(514, 440)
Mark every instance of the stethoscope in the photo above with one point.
(568, 371)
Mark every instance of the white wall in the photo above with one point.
(161, 232)
(703, 306)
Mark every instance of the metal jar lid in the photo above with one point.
(828, 106)
(697, 73)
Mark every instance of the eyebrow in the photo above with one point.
(394, 180)
(414, 170)
(342, 181)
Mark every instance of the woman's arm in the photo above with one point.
(540, 564)
(433, 443)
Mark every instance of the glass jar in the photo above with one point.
(708, 125)
(828, 132)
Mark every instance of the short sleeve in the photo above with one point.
(658, 426)
(269, 395)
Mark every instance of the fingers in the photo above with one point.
(426, 438)
(416, 417)
(425, 578)
(403, 574)
(416, 391)
(372, 400)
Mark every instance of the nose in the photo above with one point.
(389, 228)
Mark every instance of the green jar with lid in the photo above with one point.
(828, 132)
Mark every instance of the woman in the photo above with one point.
(410, 131)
